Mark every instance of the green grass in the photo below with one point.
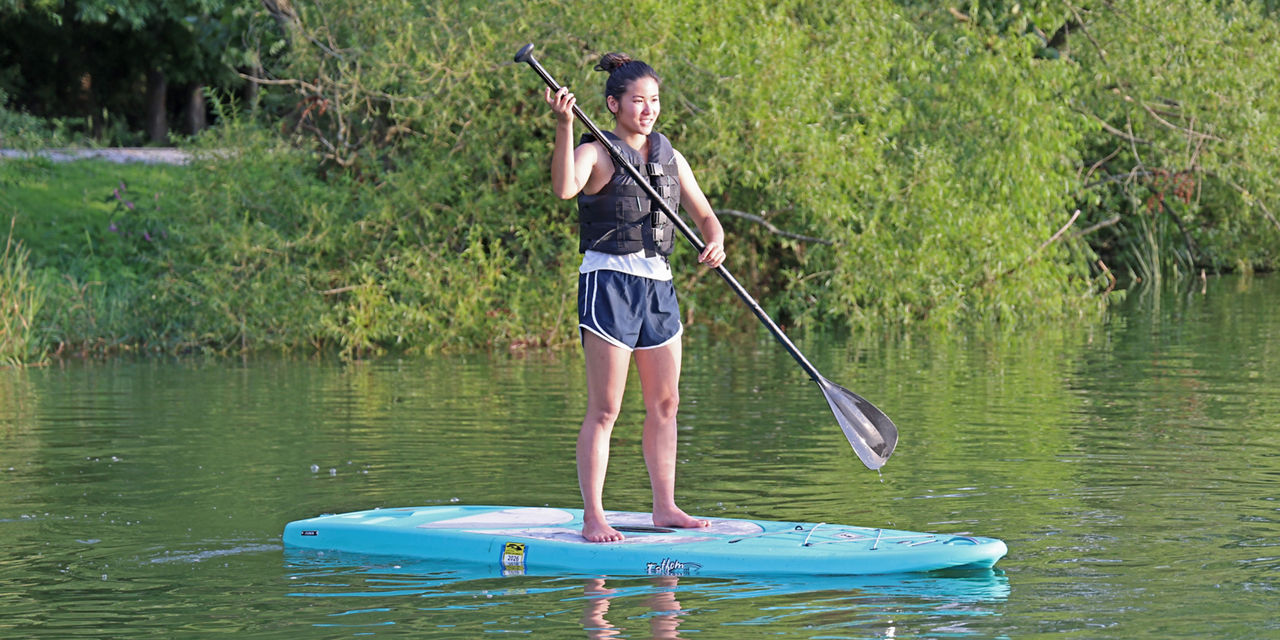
(20, 302)
(65, 210)
(87, 240)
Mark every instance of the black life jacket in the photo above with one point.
(621, 218)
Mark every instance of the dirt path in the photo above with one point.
(148, 155)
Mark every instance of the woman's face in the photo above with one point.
(638, 108)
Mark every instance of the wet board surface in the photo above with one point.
(543, 540)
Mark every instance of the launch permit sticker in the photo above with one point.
(513, 559)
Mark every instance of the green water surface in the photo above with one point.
(1132, 467)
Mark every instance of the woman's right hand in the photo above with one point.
(561, 103)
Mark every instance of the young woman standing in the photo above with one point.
(626, 303)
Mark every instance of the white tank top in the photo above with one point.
(655, 268)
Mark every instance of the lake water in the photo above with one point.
(1133, 468)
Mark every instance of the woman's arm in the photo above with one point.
(696, 205)
(570, 168)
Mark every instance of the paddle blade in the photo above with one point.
(871, 433)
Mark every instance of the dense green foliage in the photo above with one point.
(1190, 152)
(394, 194)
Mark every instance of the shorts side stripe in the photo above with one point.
(593, 284)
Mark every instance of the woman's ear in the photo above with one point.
(612, 103)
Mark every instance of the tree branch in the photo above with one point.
(1113, 220)
(1031, 256)
(1189, 132)
(768, 225)
(1118, 177)
(1245, 192)
(1053, 238)
(1110, 129)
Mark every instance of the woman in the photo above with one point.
(626, 303)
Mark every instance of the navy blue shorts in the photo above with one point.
(629, 312)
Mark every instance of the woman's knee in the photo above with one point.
(601, 417)
(664, 408)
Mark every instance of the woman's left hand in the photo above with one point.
(712, 255)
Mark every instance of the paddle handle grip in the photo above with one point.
(525, 54)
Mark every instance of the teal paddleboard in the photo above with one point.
(543, 540)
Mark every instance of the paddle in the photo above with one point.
(871, 433)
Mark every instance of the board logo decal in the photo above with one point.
(513, 559)
(311, 532)
(672, 567)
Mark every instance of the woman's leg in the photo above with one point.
(606, 380)
(659, 370)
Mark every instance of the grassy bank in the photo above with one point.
(254, 250)
(84, 242)
(21, 299)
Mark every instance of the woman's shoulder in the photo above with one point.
(589, 141)
(680, 160)
(589, 150)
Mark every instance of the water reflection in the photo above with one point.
(624, 606)
(871, 606)
(664, 623)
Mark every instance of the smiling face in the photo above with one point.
(637, 109)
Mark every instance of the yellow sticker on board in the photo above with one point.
(513, 558)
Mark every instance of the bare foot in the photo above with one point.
(600, 531)
(678, 519)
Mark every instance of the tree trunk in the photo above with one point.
(252, 92)
(282, 11)
(157, 108)
(87, 102)
(193, 116)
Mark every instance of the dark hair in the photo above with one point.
(622, 72)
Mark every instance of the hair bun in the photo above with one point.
(623, 70)
(611, 61)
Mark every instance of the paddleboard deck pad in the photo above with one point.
(542, 540)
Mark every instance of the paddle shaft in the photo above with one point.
(525, 55)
